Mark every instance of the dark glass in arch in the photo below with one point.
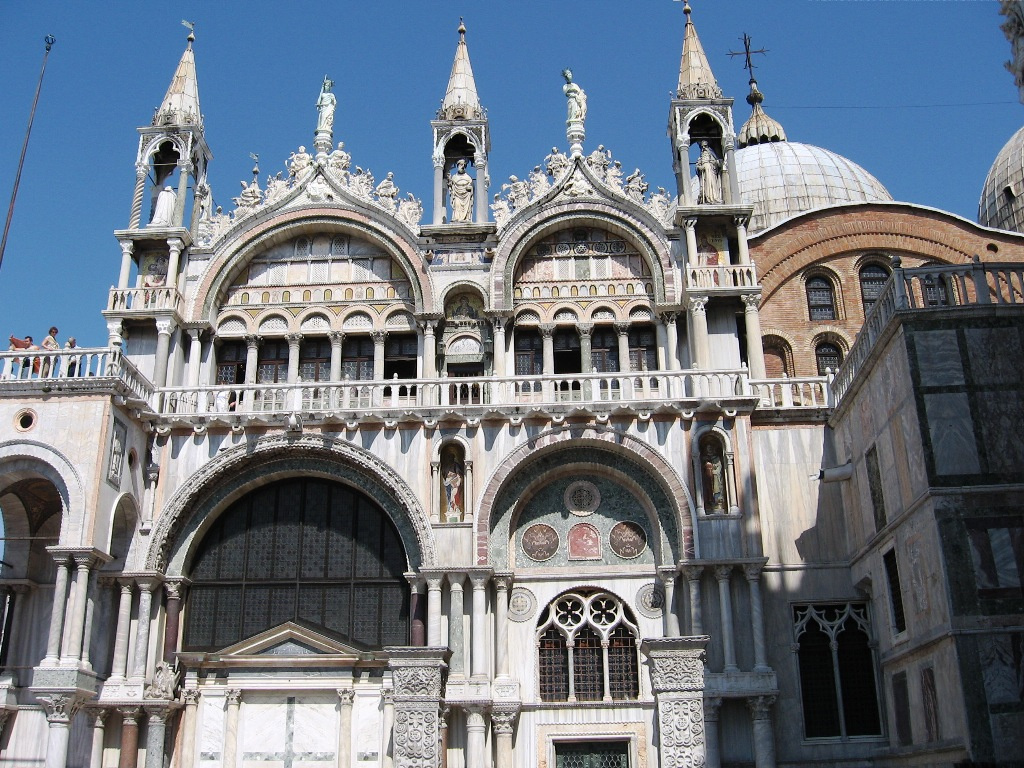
(307, 550)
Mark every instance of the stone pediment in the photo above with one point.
(288, 640)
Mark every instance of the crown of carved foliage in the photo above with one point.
(700, 91)
(677, 664)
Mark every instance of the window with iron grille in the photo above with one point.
(315, 359)
(305, 550)
(821, 300)
(272, 365)
(593, 634)
(837, 671)
(357, 358)
(872, 278)
(231, 362)
(643, 353)
(589, 754)
(828, 357)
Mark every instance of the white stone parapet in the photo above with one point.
(76, 369)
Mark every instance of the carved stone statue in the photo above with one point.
(613, 177)
(635, 187)
(518, 193)
(599, 160)
(163, 212)
(709, 171)
(339, 160)
(276, 187)
(325, 106)
(556, 164)
(539, 183)
(501, 211)
(410, 211)
(387, 192)
(299, 162)
(361, 183)
(659, 203)
(712, 478)
(251, 195)
(460, 188)
(576, 97)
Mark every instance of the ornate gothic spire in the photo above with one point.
(460, 100)
(696, 80)
(181, 104)
(759, 128)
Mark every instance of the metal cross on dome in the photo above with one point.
(748, 64)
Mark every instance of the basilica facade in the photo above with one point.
(580, 473)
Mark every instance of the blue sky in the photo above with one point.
(915, 91)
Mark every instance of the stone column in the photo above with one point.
(547, 333)
(722, 574)
(429, 349)
(671, 342)
(753, 573)
(440, 208)
(730, 482)
(293, 340)
(156, 730)
(691, 242)
(671, 616)
(476, 730)
(119, 665)
(127, 246)
(15, 625)
(502, 586)
(622, 332)
(693, 575)
(188, 727)
(503, 726)
(195, 355)
(443, 739)
(97, 716)
(252, 351)
(337, 339)
(741, 239)
(129, 757)
(61, 709)
(175, 245)
(764, 739)
(378, 354)
(499, 346)
(682, 169)
(456, 635)
(72, 653)
(434, 609)
(480, 201)
(387, 758)
(661, 342)
(586, 331)
(417, 632)
(141, 174)
(435, 495)
(712, 705)
(478, 660)
(90, 614)
(173, 614)
(230, 754)
(139, 668)
(60, 596)
(164, 328)
(755, 346)
(346, 696)
(677, 678)
(469, 490)
(729, 170)
(699, 351)
(184, 171)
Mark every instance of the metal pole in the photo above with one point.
(49, 40)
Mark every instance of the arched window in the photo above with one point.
(593, 634)
(778, 357)
(821, 299)
(833, 646)
(872, 278)
(828, 357)
(305, 550)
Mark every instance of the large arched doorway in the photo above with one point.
(308, 550)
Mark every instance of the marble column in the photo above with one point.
(677, 678)
(60, 595)
(346, 697)
(90, 615)
(723, 574)
(189, 738)
(499, 346)
(97, 721)
(127, 246)
(469, 491)
(741, 239)
(129, 757)
(141, 174)
(378, 354)
(586, 332)
(164, 329)
(622, 332)
(478, 659)
(440, 208)
(387, 758)
(456, 634)
(435, 492)
(72, 653)
(764, 739)
(476, 729)
(122, 634)
(115, 338)
(429, 349)
(442, 725)
(139, 668)
(732, 189)
(175, 245)
(195, 355)
(60, 710)
(417, 631)
(502, 587)
(681, 166)
(661, 343)
(252, 352)
(691, 242)
(699, 350)
(480, 203)
(755, 345)
(753, 573)
(434, 610)
(293, 339)
(547, 334)
(156, 730)
(503, 725)
(337, 340)
(712, 706)
(671, 342)
(671, 616)
(173, 615)
(693, 575)
(230, 754)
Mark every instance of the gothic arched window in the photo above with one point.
(828, 357)
(821, 299)
(872, 278)
(593, 634)
(306, 550)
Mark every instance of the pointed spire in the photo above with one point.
(759, 128)
(181, 104)
(460, 100)
(696, 81)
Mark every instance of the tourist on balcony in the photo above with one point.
(25, 362)
(72, 359)
(50, 344)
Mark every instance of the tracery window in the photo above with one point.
(872, 278)
(587, 649)
(828, 357)
(837, 671)
(305, 550)
(821, 299)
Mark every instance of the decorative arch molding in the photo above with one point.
(446, 136)
(640, 229)
(831, 334)
(261, 233)
(715, 116)
(235, 472)
(829, 275)
(463, 286)
(20, 459)
(130, 515)
(645, 459)
(153, 146)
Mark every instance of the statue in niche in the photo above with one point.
(712, 465)
(576, 98)
(325, 106)
(453, 473)
(460, 188)
(709, 171)
(163, 212)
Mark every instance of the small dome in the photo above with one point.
(785, 178)
(1002, 197)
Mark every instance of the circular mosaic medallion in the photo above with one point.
(650, 600)
(521, 604)
(582, 498)
(627, 540)
(540, 542)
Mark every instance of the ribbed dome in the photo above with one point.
(784, 178)
(1002, 197)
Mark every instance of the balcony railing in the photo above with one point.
(77, 369)
(143, 299)
(725, 277)
(925, 289)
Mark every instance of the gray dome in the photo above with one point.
(1002, 197)
(785, 178)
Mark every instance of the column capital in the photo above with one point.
(669, 318)
(336, 337)
(760, 706)
(252, 340)
(696, 304)
(127, 247)
(130, 715)
(741, 220)
(347, 696)
(158, 712)
(191, 696)
(141, 170)
(690, 223)
(480, 577)
(173, 589)
(97, 716)
(176, 244)
(667, 574)
(503, 581)
(503, 721)
(388, 696)
(233, 696)
(723, 572)
(751, 301)
(194, 333)
(378, 336)
(165, 326)
(293, 339)
(711, 706)
(753, 571)
(584, 329)
(475, 717)
(456, 579)
(547, 330)
(692, 571)
(621, 327)
(61, 708)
